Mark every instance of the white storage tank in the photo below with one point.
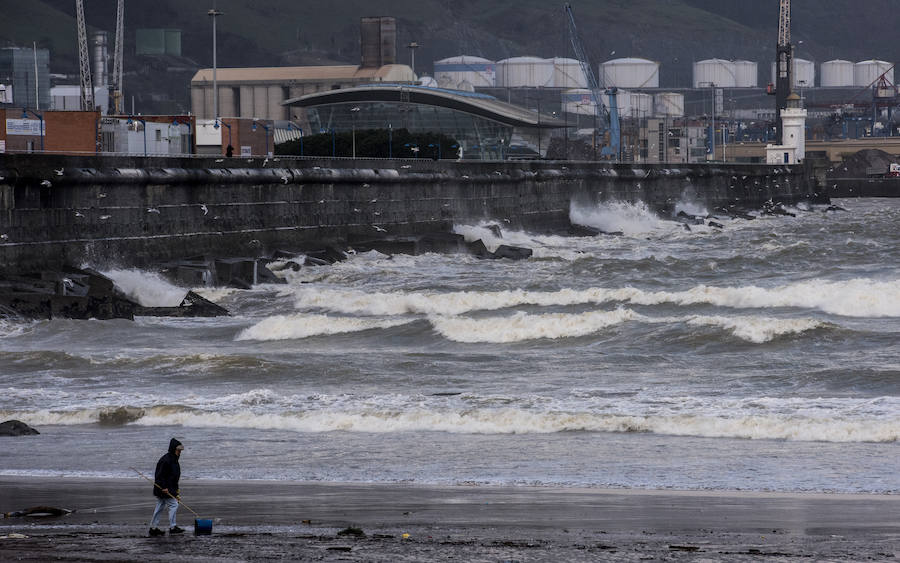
(867, 72)
(475, 70)
(804, 73)
(639, 104)
(630, 73)
(837, 73)
(567, 73)
(578, 101)
(669, 104)
(746, 74)
(623, 102)
(718, 72)
(524, 72)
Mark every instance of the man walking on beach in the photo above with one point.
(165, 489)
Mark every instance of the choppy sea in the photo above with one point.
(761, 356)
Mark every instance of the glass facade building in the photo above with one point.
(484, 127)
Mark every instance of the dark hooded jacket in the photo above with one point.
(168, 472)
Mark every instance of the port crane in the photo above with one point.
(783, 63)
(117, 57)
(602, 114)
(87, 87)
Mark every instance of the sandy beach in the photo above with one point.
(265, 520)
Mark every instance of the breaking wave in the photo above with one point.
(286, 327)
(758, 329)
(852, 298)
(522, 326)
(818, 420)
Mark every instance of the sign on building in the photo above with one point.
(30, 127)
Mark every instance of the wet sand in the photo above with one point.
(265, 520)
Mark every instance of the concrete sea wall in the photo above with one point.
(136, 211)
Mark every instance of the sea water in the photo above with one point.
(761, 356)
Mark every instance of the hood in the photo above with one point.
(173, 443)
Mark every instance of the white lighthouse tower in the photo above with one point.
(793, 122)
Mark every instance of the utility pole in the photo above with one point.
(37, 98)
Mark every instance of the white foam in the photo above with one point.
(852, 298)
(542, 246)
(147, 288)
(758, 329)
(214, 294)
(286, 327)
(446, 304)
(10, 328)
(522, 326)
(691, 208)
(838, 419)
(511, 420)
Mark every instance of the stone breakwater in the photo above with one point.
(136, 211)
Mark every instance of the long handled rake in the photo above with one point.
(202, 526)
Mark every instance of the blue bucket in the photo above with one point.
(203, 527)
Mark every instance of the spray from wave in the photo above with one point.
(149, 289)
(614, 216)
(543, 246)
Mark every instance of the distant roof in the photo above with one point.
(523, 60)
(630, 61)
(302, 73)
(463, 59)
(473, 103)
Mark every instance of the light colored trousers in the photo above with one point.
(162, 503)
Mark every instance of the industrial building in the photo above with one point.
(260, 92)
(26, 71)
(484, 127)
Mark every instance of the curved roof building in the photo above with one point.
(484, 126)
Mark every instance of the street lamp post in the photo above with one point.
(390, 140)
(438, 145)
(40, 116)
(412, 56)
(144, 124)
(353, 112)
(214, 14)
(223, 124)
(266, 128)
(292, 126)
(178, 123)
